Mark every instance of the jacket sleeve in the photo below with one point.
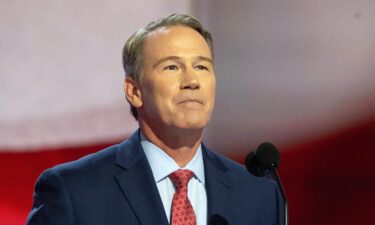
(52, 204)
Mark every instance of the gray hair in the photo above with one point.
(132, 53)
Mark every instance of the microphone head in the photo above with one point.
(268, 156)
(265, 158)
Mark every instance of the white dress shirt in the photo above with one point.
(162, 165)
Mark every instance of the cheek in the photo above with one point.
(167, 87)
(211, 87)
(158, 93)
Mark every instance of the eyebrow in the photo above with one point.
(177, 58)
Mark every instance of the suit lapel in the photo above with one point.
(138, 184)
(219, 189)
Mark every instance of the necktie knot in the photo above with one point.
(180, 178)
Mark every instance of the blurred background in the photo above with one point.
(299, 74)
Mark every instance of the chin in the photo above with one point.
(189, 120)
(194, 127)
(192, 124)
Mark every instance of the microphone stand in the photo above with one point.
(276, 177)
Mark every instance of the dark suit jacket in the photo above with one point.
(116, 186)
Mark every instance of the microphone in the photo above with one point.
(264, 161)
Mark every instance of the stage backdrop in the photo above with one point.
(299, 74)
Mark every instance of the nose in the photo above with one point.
(190, 80)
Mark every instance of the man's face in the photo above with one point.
(177, 82)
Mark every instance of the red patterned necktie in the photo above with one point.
(182, 211)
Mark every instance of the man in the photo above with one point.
(162, 174)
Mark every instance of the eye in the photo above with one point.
(201, 67)
(171, 67)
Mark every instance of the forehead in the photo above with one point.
(175, 40)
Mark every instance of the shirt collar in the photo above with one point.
(162, 164)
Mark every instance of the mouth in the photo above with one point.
(191, 101)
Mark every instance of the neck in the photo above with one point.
(180, 144)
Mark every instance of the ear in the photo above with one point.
(132, 92)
